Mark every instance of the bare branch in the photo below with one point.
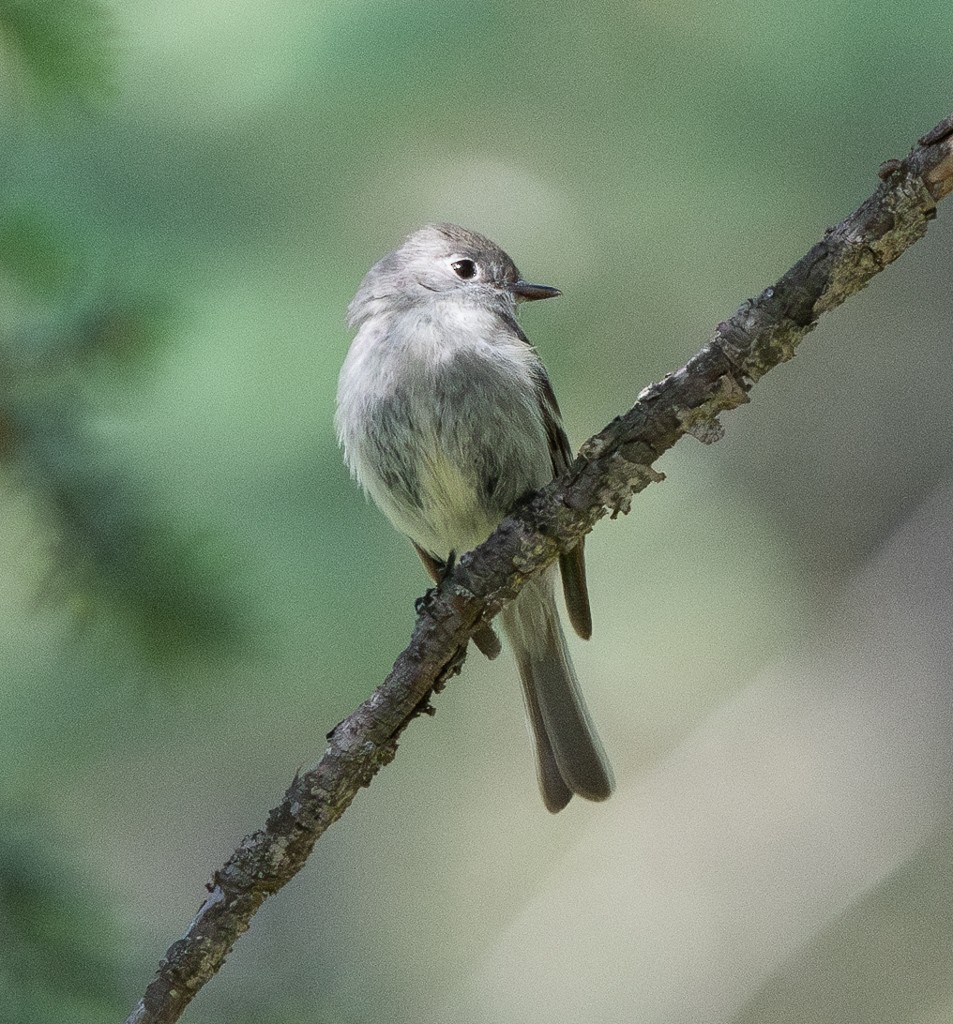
(611, 467)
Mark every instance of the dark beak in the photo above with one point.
(528, 292)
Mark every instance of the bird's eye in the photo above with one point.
(465, 269)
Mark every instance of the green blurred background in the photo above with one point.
(193, 592)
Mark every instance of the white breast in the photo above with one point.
(443, 398)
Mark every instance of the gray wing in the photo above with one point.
(572, 564)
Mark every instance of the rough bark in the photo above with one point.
(612, 466)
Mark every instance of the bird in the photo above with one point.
(447, 419)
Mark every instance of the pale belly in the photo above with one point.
(445, 458)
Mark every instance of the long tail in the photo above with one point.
(569, 755)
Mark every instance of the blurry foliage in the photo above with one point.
(61, 46)
(98, 336)
(30, 254)
(60, 950)
(117, 554)
(113, 553)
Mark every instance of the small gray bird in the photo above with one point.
(447, 419)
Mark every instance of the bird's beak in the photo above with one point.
(526, 292)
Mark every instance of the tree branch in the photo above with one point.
(612, 466)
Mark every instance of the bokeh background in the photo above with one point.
(193, 592)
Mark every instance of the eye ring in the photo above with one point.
(465, 269)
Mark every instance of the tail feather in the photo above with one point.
(566, 742)
(552, 785)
